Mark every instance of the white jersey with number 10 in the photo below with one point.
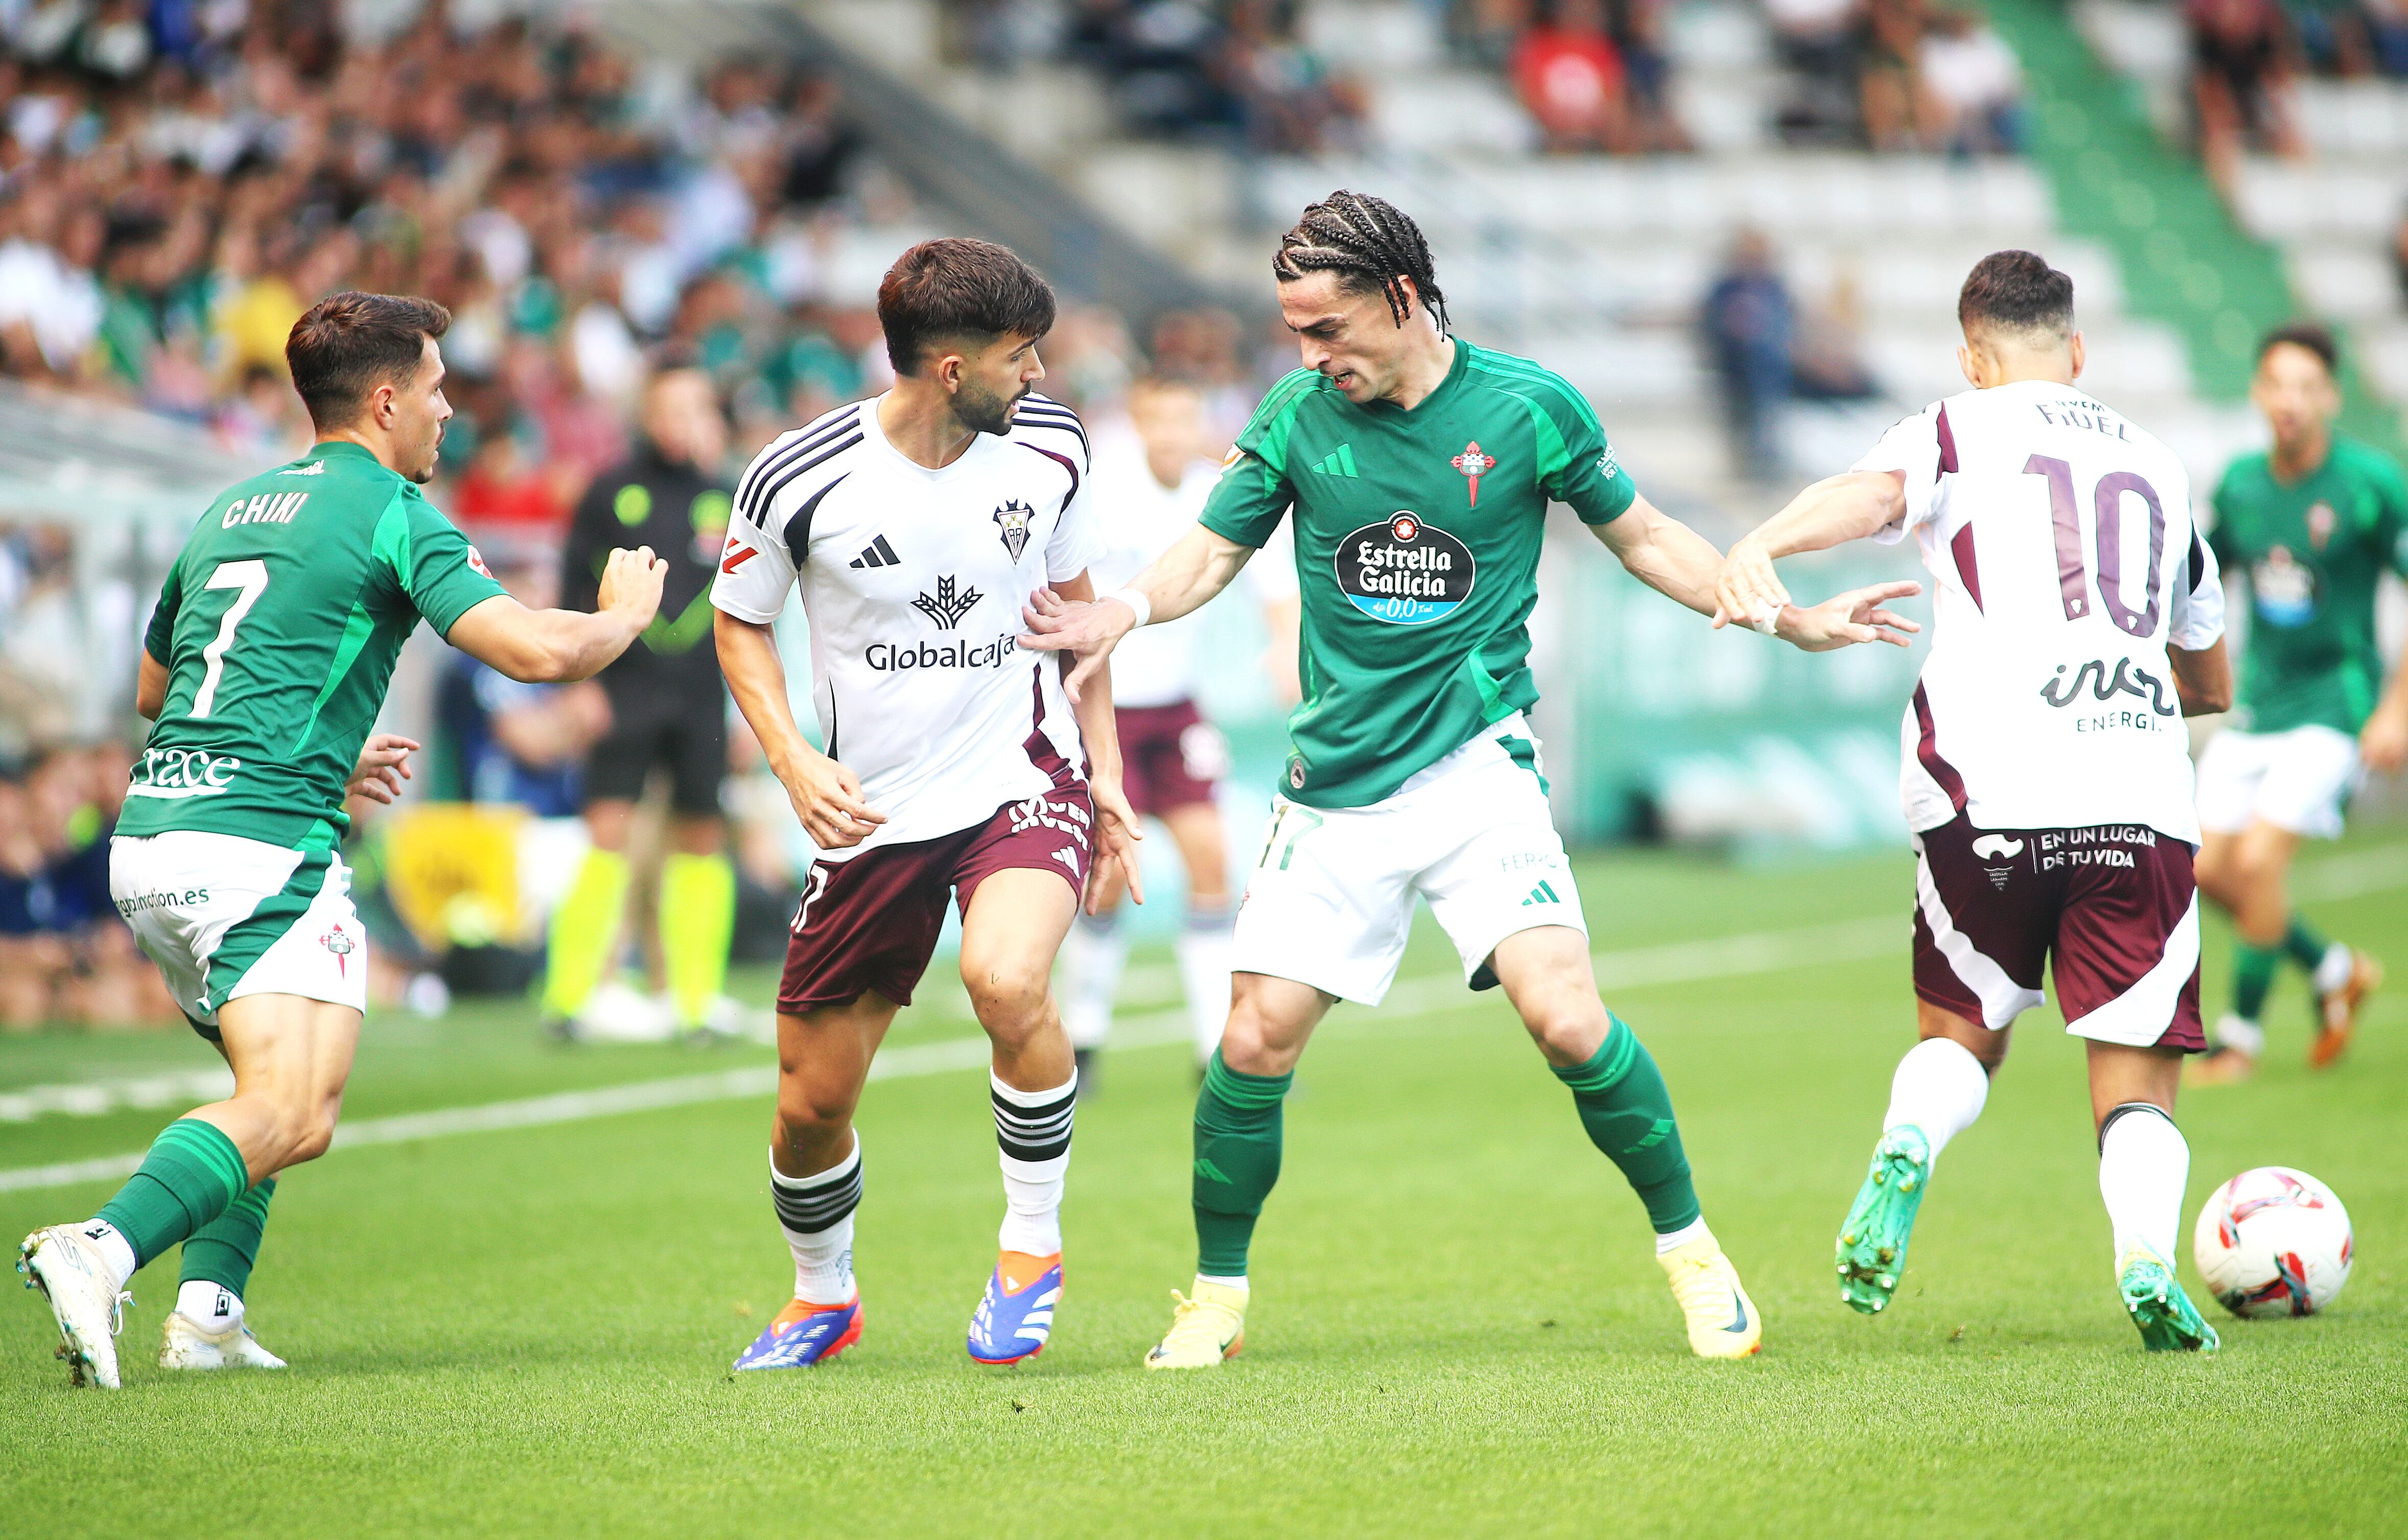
(2066, 563)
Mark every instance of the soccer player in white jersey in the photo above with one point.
(917, 523)
(2047, 775)
(1152, 482)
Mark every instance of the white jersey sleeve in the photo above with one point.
(755, 572)
(2196, 607)
(769, 534)
(1911, 449)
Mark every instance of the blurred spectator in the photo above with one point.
(1749, 321)
(43, 698)
(2399, 254)
(515, 743)
(2386, 34)
(1890, 97)
(1973, 85)
(2240, 84)
(64, 955)
(1826, 359)
(1647, 64)
(505, 492)
(1570, 79)
(1816, 40)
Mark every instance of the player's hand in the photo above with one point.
(827, 799)
(2383, 742)
(1748, 591)
(631, 585)
(1086, 629)
(1854, 616)
(1116, 837)
(384, 765)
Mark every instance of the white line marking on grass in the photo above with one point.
(1632, 968)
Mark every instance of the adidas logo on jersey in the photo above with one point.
(314, 468)
(875, 553)
(1543, 893)
(1338, 462)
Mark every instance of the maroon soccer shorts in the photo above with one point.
(871, 922)
(1170, 756)
(2112, 910)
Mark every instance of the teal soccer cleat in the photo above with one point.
(1871, 1253)
(2169, 1322)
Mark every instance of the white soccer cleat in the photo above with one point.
(618, 1012)
(69, 1270)
(185, 1343)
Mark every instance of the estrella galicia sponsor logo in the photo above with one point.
(2126, 679)
(947, 606)
(182, 772)
(1011, 521)
(1404, 571)
(893, 657)
(2283, 589)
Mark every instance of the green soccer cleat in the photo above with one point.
(2168, 1321)
(1871, 1253)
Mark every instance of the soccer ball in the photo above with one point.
(2274, 1242)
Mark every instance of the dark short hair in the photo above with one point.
(348, 344)
(2016, 291)
(2304, 333)
(954, 287)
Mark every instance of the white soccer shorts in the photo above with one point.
(2300, 780)
(1331, 901)
(225, 917)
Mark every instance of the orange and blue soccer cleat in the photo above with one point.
(804, 1334)
(1016, 1315)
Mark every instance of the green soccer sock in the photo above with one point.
(1628, 1114)
(2303, 945)
(191, 1174)
(1236, 1162)
(697, 922)
(2253, 975)
(222, 1251)
(583, 930)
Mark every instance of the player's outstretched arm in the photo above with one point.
(826, 797)
(1180, 580)
(1116, 822)
(2203, 678)
(1832, 511)
(1678, 562)
(561, 646)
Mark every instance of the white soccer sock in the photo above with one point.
(1939, 1087)
(115, 1250)
(815, 1212)
(1238, 1283)
(1204, 949)
(212, 1307)
(2334, 970)
(2240, 1033)
(1032, 1131)
(1092, 955)
(1671, 1241)
(2144, 1162)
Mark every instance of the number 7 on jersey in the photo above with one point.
(251, 577)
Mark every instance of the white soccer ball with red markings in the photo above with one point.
(2274, 1242)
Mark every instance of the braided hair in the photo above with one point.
(1369, 243)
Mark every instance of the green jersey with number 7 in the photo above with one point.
(279, 626)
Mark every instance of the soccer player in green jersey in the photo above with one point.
(1418, 469)
(2313, 521)
(266, 665)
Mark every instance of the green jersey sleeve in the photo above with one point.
(2392, 515)
(432, 563)
(1254, 494)
(1578, 468)
(160, 640)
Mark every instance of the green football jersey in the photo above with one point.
(278, 625)
(1417, 538)
(2312, 552)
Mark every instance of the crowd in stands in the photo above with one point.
(1897, 74)
(2246, 53)
(64, 955)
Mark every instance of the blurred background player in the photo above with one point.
(265, 664)
(2046, 776)
(1151, 483)
(668, 713)
(1414, 773)
(2313, 521)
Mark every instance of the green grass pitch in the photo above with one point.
(1457, 1327)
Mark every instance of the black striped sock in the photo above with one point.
(1039, 1133)
(809, 1205)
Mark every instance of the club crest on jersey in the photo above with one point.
(2320, 525)
(340, 943)
(1474, 465)
(1012, 519)
(946, 607)
(1404, 571)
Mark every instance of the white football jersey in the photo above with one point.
(912, 580)
(1140, 519)
(2065, 563)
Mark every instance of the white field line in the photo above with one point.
(1679, 962)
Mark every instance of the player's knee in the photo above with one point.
(806, 1110)
(1008, 994)
(1568, 1032)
